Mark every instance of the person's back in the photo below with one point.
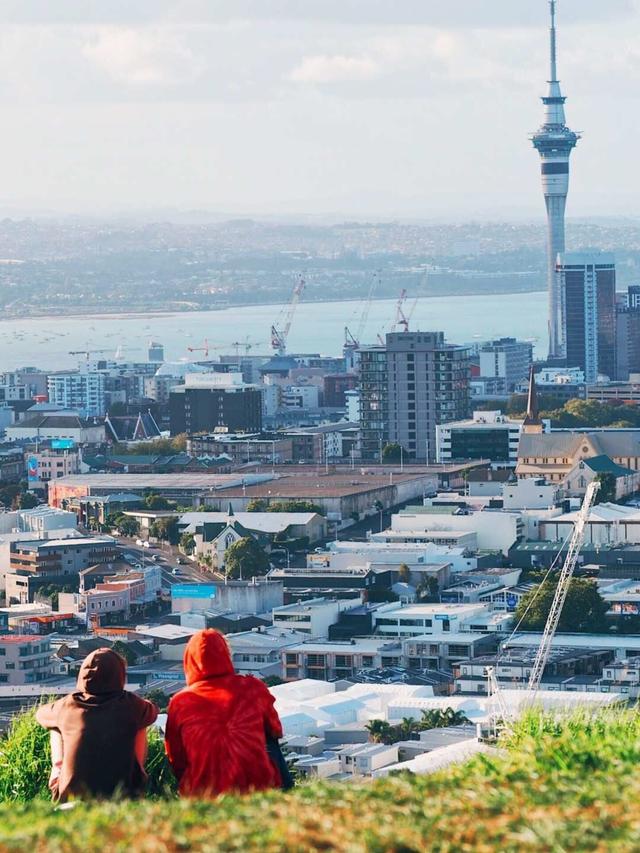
(99, 725)
(217, 726)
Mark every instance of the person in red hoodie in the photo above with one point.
(218, 725)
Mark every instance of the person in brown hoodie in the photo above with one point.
(98, 733)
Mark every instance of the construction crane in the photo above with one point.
(87, 352)
(402, 317)
(280, 330)
(564, 581)
(494, 691)
(205, 348)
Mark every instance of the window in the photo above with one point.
(291, 659)
(367, 660)
(458, 650)
(344, 660)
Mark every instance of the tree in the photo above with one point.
(295, 506)
(272, 680)
(245, 558)
(434, 718)
(393, 452)
(127, 526)
(165, 529)
(257, 505)
(157, 502)
(584, 610)
(28, 500)
(607, 491)
(404, 573)
(379, 731)
(158, 697)
(428, 589)
(187, 543)
(124, 651)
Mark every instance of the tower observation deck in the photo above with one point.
(554, 142)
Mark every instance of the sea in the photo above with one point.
(50, 342)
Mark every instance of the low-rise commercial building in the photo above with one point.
(314, 616)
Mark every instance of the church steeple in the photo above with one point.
(532, 422)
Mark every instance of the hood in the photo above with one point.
(207, 656)
(102, 671)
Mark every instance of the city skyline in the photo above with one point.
(354, 103)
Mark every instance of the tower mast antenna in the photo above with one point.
(552, 42)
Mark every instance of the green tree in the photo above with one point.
(245, 558)
(187, 543)
(127, 526)
(607, 491)
(272, 680)
(159, 698)
(435, 718)
(428, 589)
(295, 506)
(28, 500)
(393, 452)
(124, 651)
(584, 610)
(257, 505)
(404, 573)
(158, 502)
(380, 731)
(165, 529)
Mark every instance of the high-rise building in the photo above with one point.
(155, 352)
(628, 334)
(588, 284)
(82, 390)
(506, 359)
(554, 142)
(213, 402)
(413, 382)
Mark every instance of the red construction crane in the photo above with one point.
(280, 330)
(205, 349)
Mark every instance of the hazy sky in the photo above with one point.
(354, 107)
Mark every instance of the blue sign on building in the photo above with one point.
(193, 590)
(62, 443)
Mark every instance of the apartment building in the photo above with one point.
(327, 660)
(24, 659)
(313, 616)
(407, 386)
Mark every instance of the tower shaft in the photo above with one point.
(554, 142)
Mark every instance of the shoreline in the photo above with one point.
(134, 314)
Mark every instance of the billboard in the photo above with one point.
(32, 469)
(193, 590)
(62, 443)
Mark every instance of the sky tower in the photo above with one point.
(554, 141)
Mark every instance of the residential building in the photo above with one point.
(364, 759)
(335, 388)
(215, 401)
(25, 659)
(327, 659)
(407, 386)
(487, 435)
(50, 463)
(588, 285)
(83, 390)
(506, 359)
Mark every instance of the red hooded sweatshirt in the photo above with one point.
(215, 737)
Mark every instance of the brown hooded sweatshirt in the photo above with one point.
(98, 725)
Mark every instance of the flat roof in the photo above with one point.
(435, 608)
(584, 641)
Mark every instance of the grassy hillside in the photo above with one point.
(571, 785)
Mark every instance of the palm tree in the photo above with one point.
(379, 730)
(407, 726)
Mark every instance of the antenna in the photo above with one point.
(552, 41)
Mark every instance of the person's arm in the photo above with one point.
(55, 739)
(140, 746)
(173, 745)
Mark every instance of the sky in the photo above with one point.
(364, 108)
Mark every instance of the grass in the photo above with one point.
(559, 785)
